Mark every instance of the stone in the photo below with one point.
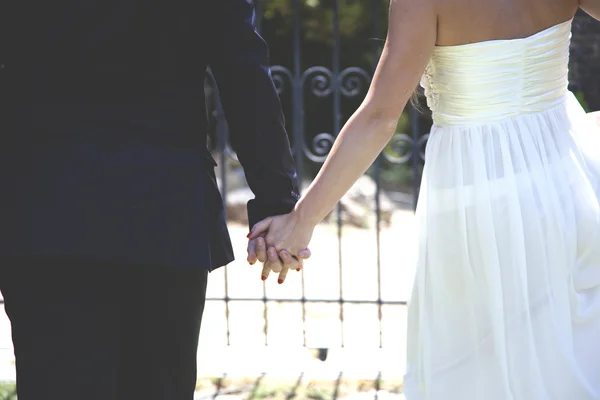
(358, 205)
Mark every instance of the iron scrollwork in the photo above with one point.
(321, 82)
(350, 82)
(401, 148)
(280, 76)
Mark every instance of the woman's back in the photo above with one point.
(470, 21)
(493, 81)
(495, 59)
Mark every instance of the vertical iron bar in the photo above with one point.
(257, 383)
(298, 124)
(219, 386)
(265, 314)
(416, 154)
(336, 130)
(226, 269)
(297, 93)
(378, 163)
(222, 139)
(293, 394)
(377, 385)
(303, 300)
(338, 384)
(258, 15)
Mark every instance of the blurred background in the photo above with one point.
(338, 328)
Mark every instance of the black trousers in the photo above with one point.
(104, 332)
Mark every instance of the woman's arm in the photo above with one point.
(412, 35)
(411, 38)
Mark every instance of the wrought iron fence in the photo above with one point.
(299, 86)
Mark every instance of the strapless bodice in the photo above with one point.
(500, 79)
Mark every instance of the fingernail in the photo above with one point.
(280, 281)
(264, 278)
(248, 235)
(298, 269)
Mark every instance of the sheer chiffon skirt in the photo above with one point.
(506, 300)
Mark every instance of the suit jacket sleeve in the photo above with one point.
(239, 61)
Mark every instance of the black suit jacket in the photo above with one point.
(104, 128)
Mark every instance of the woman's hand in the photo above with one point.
(285, 233)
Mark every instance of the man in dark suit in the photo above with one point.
(111, 218)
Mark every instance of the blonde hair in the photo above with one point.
(415, 100)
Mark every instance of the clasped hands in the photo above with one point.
(280, 243)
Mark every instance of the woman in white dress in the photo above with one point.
(506, 300)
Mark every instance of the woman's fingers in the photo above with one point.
(282, 275)
(300, 265)
(280, 262)
(288, 260)
(265, 272)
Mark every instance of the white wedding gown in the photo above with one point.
(506, 301)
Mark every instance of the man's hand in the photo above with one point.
(282, 263)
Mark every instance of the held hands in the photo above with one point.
(280, 262)
(280, 242)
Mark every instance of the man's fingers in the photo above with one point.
(259, 228)
(290, 263)
(288, 260)
(305, 254)
(261, 250)
(251, 252)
